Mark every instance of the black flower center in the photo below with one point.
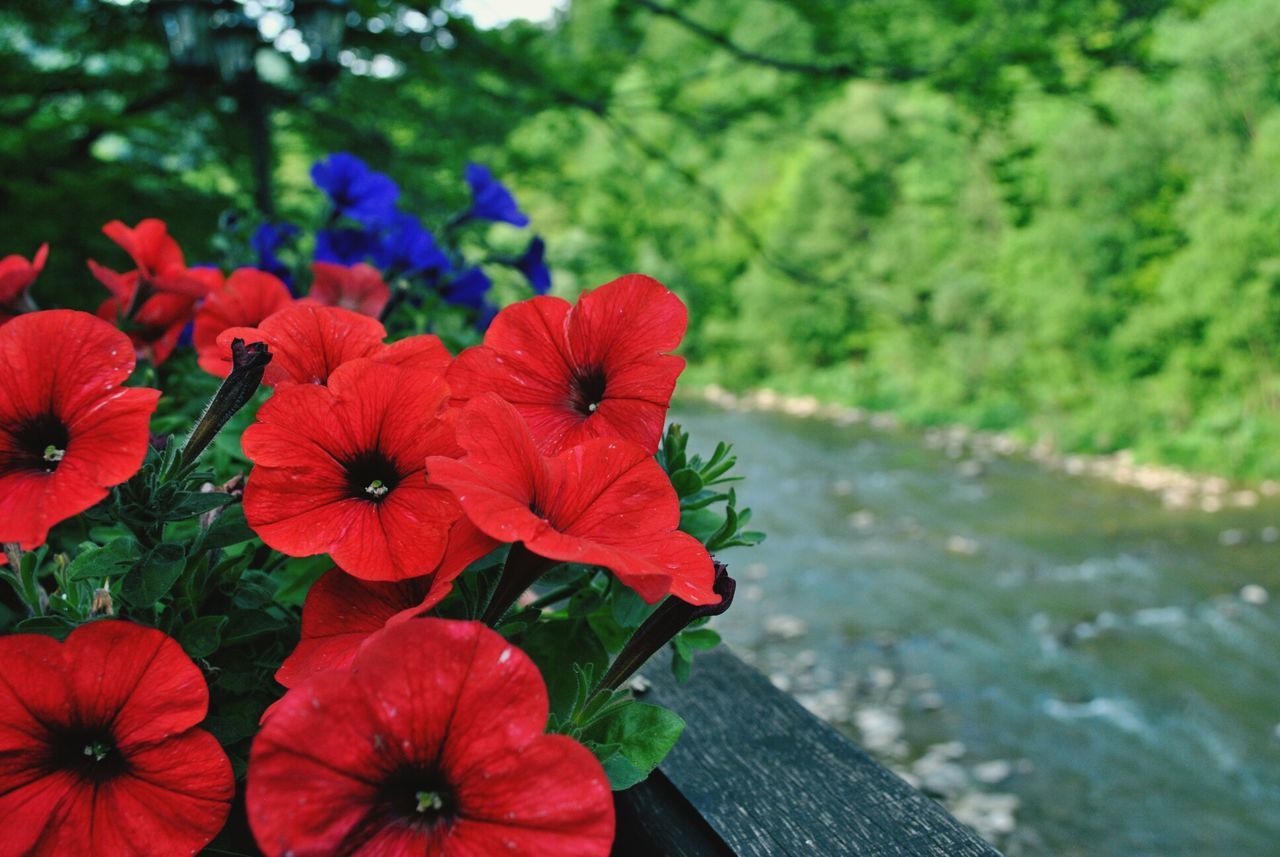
(88, 753)
(419, 798)
(39, 443)
(587, 391)
(371, 476)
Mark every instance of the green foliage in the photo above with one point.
(1058, 219)
(706, 512)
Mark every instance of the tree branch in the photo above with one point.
(838, 71)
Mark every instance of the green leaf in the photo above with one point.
(629, 609)
(686, 482)
(229, 528)
(555, 646)
(244, 625)
(155, 575)
(201, 638)
(50, 626)
(681, 663)
(700, 639)
(702, 524)
(296, 576)
(112, 560)
(194, 503)
(644, 735)
(622, 772)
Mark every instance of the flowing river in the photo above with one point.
(1070, 666)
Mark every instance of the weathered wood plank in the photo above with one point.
(771, 779)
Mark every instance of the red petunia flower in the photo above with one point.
(342, 611)
(340, 469)
(68, 429)
(158, 261)
(16, 276)
(308, 342)
(356, 287)
(248, 298)
(99, 754)
(604, 502)
(597, 369)
(431, 743)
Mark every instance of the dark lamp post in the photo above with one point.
(322, 23)
(217, 40)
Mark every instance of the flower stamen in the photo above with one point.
(429, 801)
(376, 488)
(97, 749)
(53, 454)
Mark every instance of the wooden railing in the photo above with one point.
(755, 774)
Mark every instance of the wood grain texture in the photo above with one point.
(771, 779)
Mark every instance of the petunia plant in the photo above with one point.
(293, 569)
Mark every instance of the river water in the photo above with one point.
(1078, 668)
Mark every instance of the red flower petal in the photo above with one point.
(138, 679)
(630, 318)
(342, 611)
(55, 809)
(310, 342)
(605, 502)
(356, 287)
(148, 244)
(157, 257)
(17, 274)
(424, 352)
(512, 794)
(247, 299)
(60, 388)
(175, 798)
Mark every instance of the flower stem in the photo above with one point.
(671, 617)
(249, 362)
(523, 568)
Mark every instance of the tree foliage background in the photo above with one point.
(1060, 217)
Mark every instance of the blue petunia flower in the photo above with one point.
(534, 266)
(490, 199)
(344, 246)
(356, 191)
(409, 248)
(469, 289)
(265, 241)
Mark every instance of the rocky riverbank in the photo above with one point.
(972, 450)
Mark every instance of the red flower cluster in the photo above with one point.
(99, 754)
(401, 733)
(341, 611)
(430, 742)
(154, 301)
(343, 468)
(68, 429)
